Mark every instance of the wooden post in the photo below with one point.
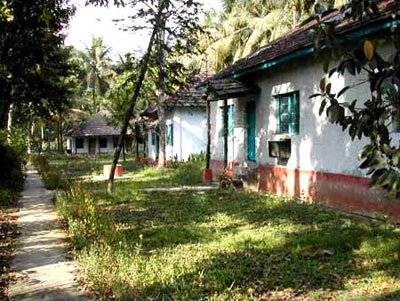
(225, 118)
(208, 150)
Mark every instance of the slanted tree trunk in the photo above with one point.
(129, 112)
(161, 87)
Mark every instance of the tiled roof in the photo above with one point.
(192, 95)
(229, 88)
(303, 36)
(95, 125)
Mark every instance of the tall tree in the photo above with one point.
(245, 25)
(33, 64)
(97, 67)
(179, 17)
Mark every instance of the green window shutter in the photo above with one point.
(279, 114)
(288, 113)
(296, 113)
(231, 120)
(170, 134)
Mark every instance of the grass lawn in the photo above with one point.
(225, 245)
(83, 165)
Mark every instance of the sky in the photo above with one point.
(90, 21)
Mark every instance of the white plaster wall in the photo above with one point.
(190, 131)
(109, 147)
(83, 150)
(320, 145)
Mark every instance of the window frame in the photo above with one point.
(170, 134)
(292, 113)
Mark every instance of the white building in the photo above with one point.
(185, 125)
(93, 136)
(277, 139)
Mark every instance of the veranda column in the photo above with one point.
(225, 112)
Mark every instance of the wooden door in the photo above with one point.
(92, 146)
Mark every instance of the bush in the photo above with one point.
(87, 223)
(188, 173)
(12, 159)
(52, 178)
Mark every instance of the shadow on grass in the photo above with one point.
(307, 262)
(318, 249)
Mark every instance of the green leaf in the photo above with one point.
(328, 88)
(322, 84)
(342, 91)
(322, 107)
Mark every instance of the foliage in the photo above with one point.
(97, 74)
(375, 118)
(52, 178)
(33, 64)
(86, 223)
(225, 179)
(217, 245)
(188, 173)
(244, 26)
(12, 159)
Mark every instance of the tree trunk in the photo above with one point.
(161, 87)
(129, 112)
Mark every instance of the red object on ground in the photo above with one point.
(207, 175)
(119, 170)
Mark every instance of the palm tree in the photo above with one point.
(246, 25)
(97, 68)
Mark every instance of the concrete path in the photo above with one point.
(42, 269)
(179, 189)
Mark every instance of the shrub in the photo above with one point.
(12, 157)
(188, 173)
(52, 178)
(87, 222)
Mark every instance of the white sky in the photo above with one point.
(90, 21)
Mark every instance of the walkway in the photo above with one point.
(42, 269)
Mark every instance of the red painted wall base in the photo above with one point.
(344, 192)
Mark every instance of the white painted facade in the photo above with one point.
(319, 145)
(85, 149)
(189, 132)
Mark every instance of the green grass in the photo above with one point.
(83, 165)
(225, 245)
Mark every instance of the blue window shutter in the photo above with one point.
(279, 114)
(172, 134)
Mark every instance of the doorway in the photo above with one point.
(251, 130)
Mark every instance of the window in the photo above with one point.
(288, 109)
(79, 143)
(170, 134)
(103, 142)
(231, 120)
(153, 138)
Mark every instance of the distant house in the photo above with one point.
(275, 137)
(93, 136)
(185, 124)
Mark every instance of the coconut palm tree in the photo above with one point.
(246, 25)
(97, 68)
